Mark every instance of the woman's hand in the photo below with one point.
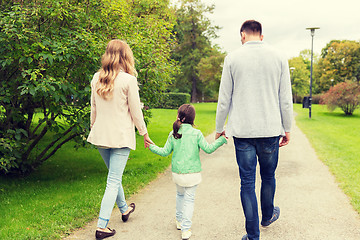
(147, 140)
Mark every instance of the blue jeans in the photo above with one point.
(115, 160)
(248, 152)
(185, 198)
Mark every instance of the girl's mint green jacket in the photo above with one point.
(186, 150)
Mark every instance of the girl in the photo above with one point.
(115, 109)
(186, 141)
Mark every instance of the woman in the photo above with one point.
(115, 109)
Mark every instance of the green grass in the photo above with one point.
(336, 139)
(66, 191)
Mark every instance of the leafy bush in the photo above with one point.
(49, 52)
(173, 100)
(316, 98)
(345, 95)
(297, 98)
(44, 68)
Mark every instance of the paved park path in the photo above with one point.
(312, 205)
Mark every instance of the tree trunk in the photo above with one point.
(193, 91)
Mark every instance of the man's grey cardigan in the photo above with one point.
(255, 91)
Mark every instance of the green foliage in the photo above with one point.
(300, 76)
(345, 95)
(44, 65)
(149, 32)
(173, 100)
(193, 33)
(316, 98)
(49, 52)
(66, 191)
(335, 137)
(340, 61)
(209, 72)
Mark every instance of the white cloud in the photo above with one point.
(284, 22)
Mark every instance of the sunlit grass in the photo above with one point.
(66, 191)
(336, 139)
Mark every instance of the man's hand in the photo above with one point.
(220, 134)
(285, 140)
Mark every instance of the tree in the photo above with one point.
(49, 52)
(209, 72)
(299, 77)
(193, 33)
(149, 32)
(42, 70)
(339, 62)
(345, 95)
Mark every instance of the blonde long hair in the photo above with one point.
(117, 57)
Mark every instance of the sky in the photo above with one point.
(284, 22)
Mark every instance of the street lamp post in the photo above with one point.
(312, 29)
(292, 70)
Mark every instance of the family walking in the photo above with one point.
(255, 97)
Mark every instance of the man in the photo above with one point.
(255, 92)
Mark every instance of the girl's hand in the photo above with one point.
(147, 140)
(220, 134)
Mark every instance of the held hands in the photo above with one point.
(220, 134)
(285, 140)
(147, 140)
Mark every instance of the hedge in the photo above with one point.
(173, 100)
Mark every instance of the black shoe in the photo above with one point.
(126, 216)
(276, 214)
(101, 235)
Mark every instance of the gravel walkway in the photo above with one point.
(312, 205)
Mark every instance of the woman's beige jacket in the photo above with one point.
(113, 120)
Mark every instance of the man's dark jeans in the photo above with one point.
(248, 152)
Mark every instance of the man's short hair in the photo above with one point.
(251, 27)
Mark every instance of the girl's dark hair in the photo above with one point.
(186, 114)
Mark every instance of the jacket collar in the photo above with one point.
(254, 43)
(186, 125)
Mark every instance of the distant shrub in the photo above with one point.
(345, 95)
(298, 99)
(316, 99)
(173, 100)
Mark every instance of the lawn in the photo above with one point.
(336, 139)
(66, 191)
